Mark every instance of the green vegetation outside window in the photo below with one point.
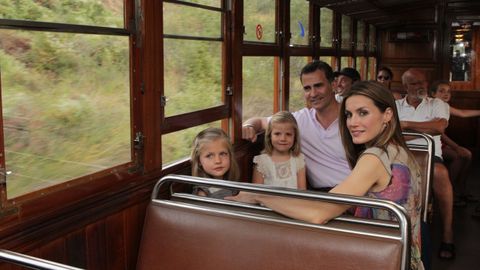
(346, 62)
(296, 100)
(361, 67)
(259, 20)
(326, 27)
(299, 11)
(178, 145)
(360, 36)
(346, 32)
(86, 12)
(60, 93)
(258, 87)
(371, 38)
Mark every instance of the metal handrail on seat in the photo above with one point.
(428, 147)
(398, 211)
(32, 262)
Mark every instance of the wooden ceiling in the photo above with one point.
(401, 13)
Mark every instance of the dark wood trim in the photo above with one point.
(250, 49)
(183, 121)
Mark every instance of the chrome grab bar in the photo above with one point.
(430, 147)
(32, 262)
(398, 211)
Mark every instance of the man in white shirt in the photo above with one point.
(420, 113)
(325, 158)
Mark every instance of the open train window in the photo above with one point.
(195, 65)
(360, 44)
(65, 75)
(346, 33)
(326, 27)
(299, 22)
(372, 39)
(192, 57)
(259, 21)
(258, 86)
(461, 52)
(296, 100)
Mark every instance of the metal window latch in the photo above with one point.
(138, 141)
(3, 176)
(138, 144)
(163, 101)
(229, 90)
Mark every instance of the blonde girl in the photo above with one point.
(212, 157)
(281, 163)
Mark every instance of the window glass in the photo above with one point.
(372, 41)
(372, 67)
(299, 28)
(345, 62)
(326, 27)
(362, 67)
(258, 86)
(461, 53)
(94, 12)
(346, 32)
(331, 60)
(360, 36)
(60, 93)
(178, 145)
(259, 20)
(200, 23)
(212, 3)
(296, 99)
(192, 75)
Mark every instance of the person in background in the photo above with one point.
(281, 163)
(212, 157)
(457, 158)
(420, 113)
(344, 80)
(385, 77)
(383, 167)
(326, 163)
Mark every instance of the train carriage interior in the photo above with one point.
(154, 73)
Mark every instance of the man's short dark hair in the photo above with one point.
(318, 65)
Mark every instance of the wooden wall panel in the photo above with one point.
(400, 56)
(403, 51)
(96, 247)
(76, 249)
(54, 250)
(134, 219)
(115, 241)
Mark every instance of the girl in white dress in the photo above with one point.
(281, 163)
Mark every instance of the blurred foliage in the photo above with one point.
(66, 101)
(65, 97)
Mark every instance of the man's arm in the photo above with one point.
(253, 126)
(433, 127)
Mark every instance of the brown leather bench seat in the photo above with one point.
(186, 234)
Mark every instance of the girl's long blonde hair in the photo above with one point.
(282, 117)
(207, 136)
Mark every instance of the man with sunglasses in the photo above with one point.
(385, 77)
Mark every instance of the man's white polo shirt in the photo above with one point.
(427, 110)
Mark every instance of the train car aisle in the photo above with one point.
(467, 231)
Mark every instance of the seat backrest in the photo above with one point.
(424, 156)
(192, 232)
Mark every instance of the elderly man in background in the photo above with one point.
(420, 113)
